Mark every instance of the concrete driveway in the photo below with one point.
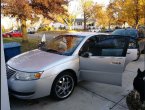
(87, 95)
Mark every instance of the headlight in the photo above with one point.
(27, 76)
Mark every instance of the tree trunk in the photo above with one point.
(136, 23)
(137, 13)
(70, 27)
(109, 24)
(144, 19)
(85, 21)
(124, 23)
(24, 30)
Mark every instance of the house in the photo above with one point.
(78, 24)
(58, 25)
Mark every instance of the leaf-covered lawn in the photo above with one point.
(25, 46)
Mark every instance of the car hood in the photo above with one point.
(36, 60)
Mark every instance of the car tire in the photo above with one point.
(63, 86)
(138, 55)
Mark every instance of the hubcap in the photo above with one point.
(64, 86)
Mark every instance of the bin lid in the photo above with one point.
(12, 44)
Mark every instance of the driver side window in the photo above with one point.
(112, 47)
(105, 46)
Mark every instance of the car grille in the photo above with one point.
(10, 72)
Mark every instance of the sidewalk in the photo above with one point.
(88, 95)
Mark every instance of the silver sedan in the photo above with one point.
(58, 65)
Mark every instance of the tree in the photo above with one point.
(133, 11)
(99, 13)
(87, 8)
(49, 8)
(116, 13)
(68, 19)
(143, 10)
(110, 15)
(28, 9)
(130, 11)
(3, 29)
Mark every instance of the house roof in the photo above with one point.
(81, 20)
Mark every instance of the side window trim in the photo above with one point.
(97, 38)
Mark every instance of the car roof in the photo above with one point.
(128, 29)
(86, 34)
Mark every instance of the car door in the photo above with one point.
(107, 62)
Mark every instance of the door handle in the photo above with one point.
(116, 62)
(128, 52)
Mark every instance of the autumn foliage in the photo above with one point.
(130, 11)
(29, 9)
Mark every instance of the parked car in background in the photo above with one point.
(56, 67)
(108, 31)
(94, 30)
(31, 31)
(137, 38)
(133, 33)
(13, 33)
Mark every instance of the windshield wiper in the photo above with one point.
(54, 51)
(51, 50)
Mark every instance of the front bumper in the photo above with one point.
(30, 89)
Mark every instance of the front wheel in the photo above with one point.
(63, 86)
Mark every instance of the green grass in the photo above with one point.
(25, 46)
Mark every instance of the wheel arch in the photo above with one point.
(67, 70)
(72, 72)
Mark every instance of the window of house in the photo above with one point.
(79, 23)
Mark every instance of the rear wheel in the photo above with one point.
(63, 86)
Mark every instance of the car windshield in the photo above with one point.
(63, 44)
(131, 33)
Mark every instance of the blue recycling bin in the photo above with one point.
(11, 49)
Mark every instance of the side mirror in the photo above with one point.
(86, 54)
